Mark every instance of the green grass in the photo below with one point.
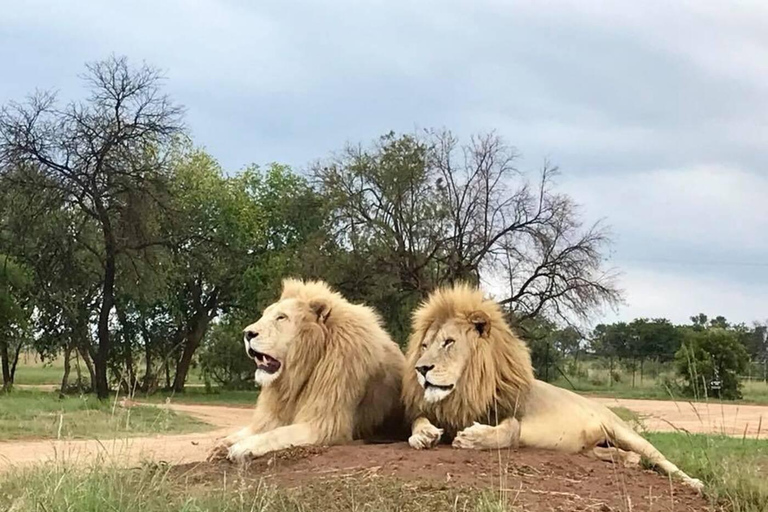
(203, 396)
(43, 415)
(150, 489)
(31, 371)
(734, 471)
(754, 392)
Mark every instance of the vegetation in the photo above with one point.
(135, 242)
(657, 359)
(152, 489)
(732, 469)
(39, 415)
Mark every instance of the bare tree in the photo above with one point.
(433, 211)
(100, 154)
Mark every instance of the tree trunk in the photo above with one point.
(149, 379)
(86, 356)
(6, 364)
(101, 360)
(78, 371)
(191, 343)
(167, 373)
(65, 378)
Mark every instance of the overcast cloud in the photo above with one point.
(656, 113)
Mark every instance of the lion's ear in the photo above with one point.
(321, 308)
(481, 321)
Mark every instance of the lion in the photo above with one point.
(469, 378)
(328, 373)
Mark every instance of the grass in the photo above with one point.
(755, 392)
(203, 396)
(31, 371)
(152, 489)
(735, 471)
(43, 415)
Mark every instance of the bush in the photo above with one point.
(710, 361)
(223, 359)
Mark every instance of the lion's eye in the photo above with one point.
(447, 343)
(423, 346)
(281, 317)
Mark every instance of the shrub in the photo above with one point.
(710, 361)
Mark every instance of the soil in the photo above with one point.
(697, 417)
(531, 480)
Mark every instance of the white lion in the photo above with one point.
(328, 372)
(470, 378)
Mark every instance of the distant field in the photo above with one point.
(32, 371)
(43, 415)
(202, 396)
(593, 378)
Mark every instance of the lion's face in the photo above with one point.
(445, 351)
(268, 340)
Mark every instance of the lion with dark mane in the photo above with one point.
(469, 378)
(328, 372)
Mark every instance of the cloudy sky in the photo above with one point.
(657, 113)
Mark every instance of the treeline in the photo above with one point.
(125, 248)
(709, 354)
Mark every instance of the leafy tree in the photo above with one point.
(14, 316)
(105, 157)
(235, 238)
(710, 361)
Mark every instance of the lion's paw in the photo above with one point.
(695, 483)
(247, 449)
(426, 437)
(475, 437)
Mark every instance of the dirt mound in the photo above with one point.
(532, 480)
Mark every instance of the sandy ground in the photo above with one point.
(173, 449)
(657, 415)
(708, 418)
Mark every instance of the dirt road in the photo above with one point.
(656, 415)
(173, 449)
(707, 418)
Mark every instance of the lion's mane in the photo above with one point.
(344, 358)
(498, 375)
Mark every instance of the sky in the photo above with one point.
(655, 112)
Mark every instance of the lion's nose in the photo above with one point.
(424, 369)
(249, 335)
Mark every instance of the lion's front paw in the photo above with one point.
(246, 449)
(426, 437)
(475, 437)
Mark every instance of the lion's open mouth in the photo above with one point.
(264, 362)
(428, 385)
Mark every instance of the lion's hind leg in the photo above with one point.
(629, 440)
(613, 455)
